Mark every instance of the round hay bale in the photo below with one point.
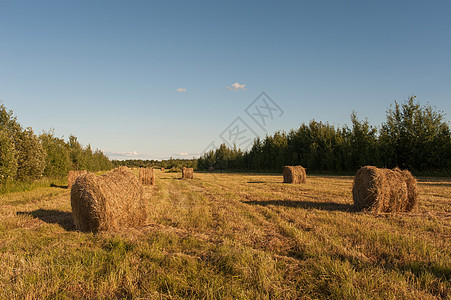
(162, 169)
(384, 190)
(72, 175)
(188, 173)
(147, 176)
(412, 193)
(108, 202)
(294, 174)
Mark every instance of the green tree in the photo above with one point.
(76, 154)
(8, 159)
(30, 156)
(363, 143)
(415, 137)
(8, 121)
(57, 160)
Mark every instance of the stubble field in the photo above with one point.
(231, 236)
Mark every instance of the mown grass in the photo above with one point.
(231, 236)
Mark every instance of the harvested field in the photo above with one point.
(229, 236)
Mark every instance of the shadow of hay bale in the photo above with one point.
(51, 216)
(58, 186)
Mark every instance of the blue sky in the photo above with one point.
(108, 71)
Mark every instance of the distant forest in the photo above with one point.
(26, 157)
(414, 137)
(172, 164)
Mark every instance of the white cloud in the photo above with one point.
(181, 90)
(126, 154)
(236, 87)
(185, 154)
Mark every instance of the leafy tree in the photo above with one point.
(415, 137)
(363, 143)
(205, 161)
(57, 160)
(8, 159)
(8, 153)
(30, 156)
(8, 121)
(76, 154)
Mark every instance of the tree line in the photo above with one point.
(175, 164)
(25, 156)
(414, 136)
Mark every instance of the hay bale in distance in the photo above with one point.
(108, 202)
(146, 176)
(211, 169)
(294, 174)
(384, 190)
(162, 169)
(72, 175)
(188, 173)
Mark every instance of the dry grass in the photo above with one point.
(229, 236)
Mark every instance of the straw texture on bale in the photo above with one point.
(146, 176)
(72, 176)
(109, 202)
(384, 190)
(294, 174)
(188, 173)
(412, 193)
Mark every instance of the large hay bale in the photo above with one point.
(147, 176)
(108, 202)
(294, 174)
(384, 190)
(72, 176)
(412, 193)
(188, 173)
